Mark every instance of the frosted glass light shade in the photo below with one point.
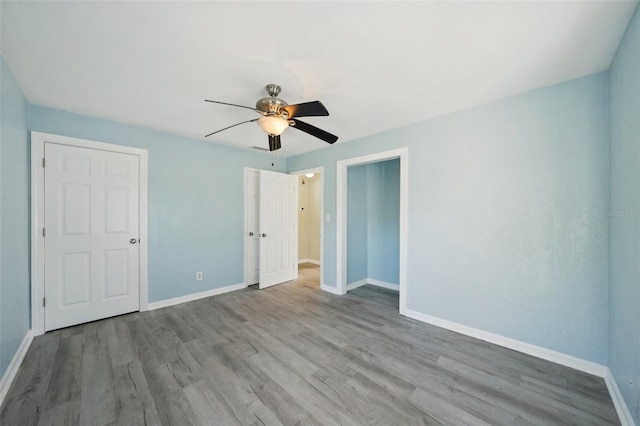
(309, 175)
(273, 125)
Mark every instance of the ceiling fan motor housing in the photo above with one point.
(272, 105)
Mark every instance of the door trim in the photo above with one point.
(341, 216)
(38, 140)
(245, 247)
(321, 171)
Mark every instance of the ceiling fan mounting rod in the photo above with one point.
(273, 90)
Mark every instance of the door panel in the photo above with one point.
(91, 214)
(75, 206)
(117, 209)
(75, 278)
(116, 264)
(278, 227)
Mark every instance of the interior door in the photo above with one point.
(91, 241)
(252, 243)
(278, 227)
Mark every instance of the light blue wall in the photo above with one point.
(196, 215)
(506, 226)
(384, 221)
(624, 238)
(357, 220)
(14, 218)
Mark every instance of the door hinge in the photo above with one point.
(44, 162)
(44, 232)
(44, 302)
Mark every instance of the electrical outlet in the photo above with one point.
(199, 276)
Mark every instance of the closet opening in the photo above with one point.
(373, 231)
(371, 225)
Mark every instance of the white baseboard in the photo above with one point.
(14, 366)
(315, 262)
(195, 296)
(329, 289)
(371, 281)
(618, 401)
(517, 345)
(539, 352)
(357, 284)
(384, 284)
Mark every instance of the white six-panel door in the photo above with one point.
(92, 233)
(278, 227)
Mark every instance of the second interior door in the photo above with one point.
(278, 227)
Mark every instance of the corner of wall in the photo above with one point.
(14, 226)
(624, 223)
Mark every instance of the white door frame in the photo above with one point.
(341, 217)
(245, 186)
(321, 171)
(38, 140)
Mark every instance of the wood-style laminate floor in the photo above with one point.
(293, 355)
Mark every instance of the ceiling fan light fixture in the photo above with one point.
(276, 115)
(273, 125)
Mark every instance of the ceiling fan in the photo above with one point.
(277, 115)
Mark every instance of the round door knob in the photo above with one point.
(251, 234)
(133, 241)
(263, 235)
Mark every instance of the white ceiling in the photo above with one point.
(375, 66)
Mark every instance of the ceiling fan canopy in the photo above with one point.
(278, 115)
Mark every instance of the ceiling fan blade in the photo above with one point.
(274, 142)
(307, 109)
(314, 131)
(235, 105)
(234, 125)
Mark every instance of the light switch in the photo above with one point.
(327, 217)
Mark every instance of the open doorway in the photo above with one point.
(310, 222)
(373, 230)
(346, 273)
